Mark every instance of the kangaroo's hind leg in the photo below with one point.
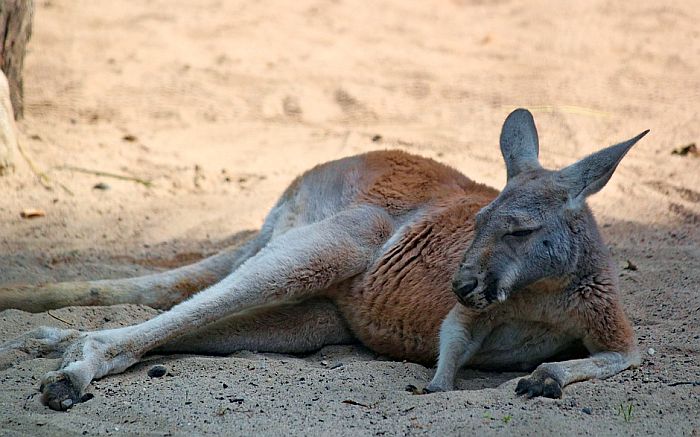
(299, 264)
(285, 328)
(299, 327)
(158, 290)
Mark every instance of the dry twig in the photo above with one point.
(144, 182)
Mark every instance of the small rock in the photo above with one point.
(130, 138)
(651, 351)
(688, 149)
(586, 410)
(101, 186)
(324, 363)
(376, 138)
(630, 266)
(157, 371)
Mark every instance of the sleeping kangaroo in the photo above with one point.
(402, 253)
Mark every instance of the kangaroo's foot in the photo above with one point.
(86, 355)
(89, 356)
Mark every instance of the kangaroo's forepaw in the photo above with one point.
(533, 386)
(58, 392)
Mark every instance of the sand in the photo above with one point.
(221, 104)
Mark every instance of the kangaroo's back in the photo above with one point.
(405, 184)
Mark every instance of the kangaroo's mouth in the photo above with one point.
(479, 294)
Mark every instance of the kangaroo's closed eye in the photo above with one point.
(521, 232)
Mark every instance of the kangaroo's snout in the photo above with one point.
(464, 287)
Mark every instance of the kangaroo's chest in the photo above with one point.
(530, 327)
(522, 345)
(397, 306)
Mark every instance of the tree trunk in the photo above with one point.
(15, 30)
(8, 129)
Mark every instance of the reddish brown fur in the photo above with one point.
(185, 288)
(596, 307)
(401, 182)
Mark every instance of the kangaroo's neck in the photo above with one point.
(594, 264)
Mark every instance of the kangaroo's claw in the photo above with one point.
(58, 392)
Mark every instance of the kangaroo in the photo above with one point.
(400, 252)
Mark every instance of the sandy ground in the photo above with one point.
(221, 104)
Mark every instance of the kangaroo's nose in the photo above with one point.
(463, 288)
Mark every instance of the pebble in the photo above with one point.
(651, 351)
(157, 371)
(586, 410)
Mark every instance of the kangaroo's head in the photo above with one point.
(538, 226)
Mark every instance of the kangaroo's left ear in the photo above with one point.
(520, 144)
(590, 174)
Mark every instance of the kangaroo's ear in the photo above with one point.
(590, 174)
(520, 145)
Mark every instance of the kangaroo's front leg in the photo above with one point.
(299, 263)
(612, 343)
(458, 342)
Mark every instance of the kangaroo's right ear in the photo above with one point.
(590, 174)
(520, 145)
